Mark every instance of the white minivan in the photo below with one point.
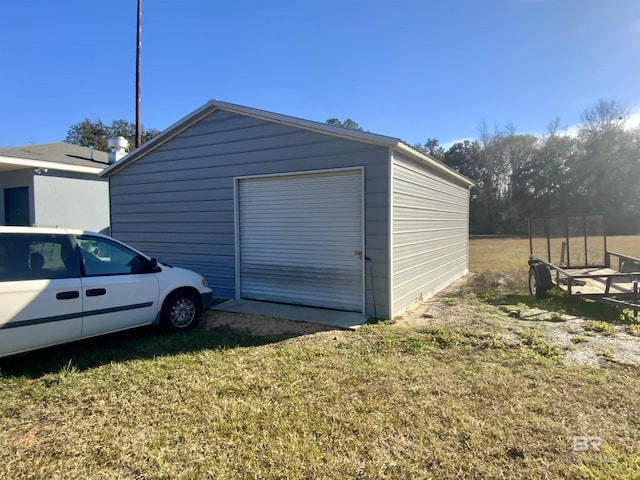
(59, 285)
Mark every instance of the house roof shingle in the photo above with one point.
(60, 153)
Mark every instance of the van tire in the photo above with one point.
(180, 312)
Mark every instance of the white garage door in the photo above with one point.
(301, 239)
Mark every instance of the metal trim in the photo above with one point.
(69, 316)
(236, 233)
(390, 231)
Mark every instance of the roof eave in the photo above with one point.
(340, 132)
(213, 105)
(163, 137)
(441, 167)
(24, 162)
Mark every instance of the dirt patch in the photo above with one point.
(578, 340)
(260, 325)
(574, 338)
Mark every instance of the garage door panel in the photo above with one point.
(314, 289)
(299, 239)
(301, 257)
(304, 275)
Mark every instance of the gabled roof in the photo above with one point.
(55, 156)
(214, 105)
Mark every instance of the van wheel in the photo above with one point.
(181, 311)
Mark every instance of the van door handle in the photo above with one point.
(96, 292)
(67, 295)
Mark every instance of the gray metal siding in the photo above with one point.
(429, 232)
(176, 203)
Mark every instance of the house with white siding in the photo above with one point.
(275, 208)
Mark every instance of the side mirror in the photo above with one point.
(151, 265)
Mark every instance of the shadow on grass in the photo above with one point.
(140, 343)
(556, 302)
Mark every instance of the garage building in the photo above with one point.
(276, 208)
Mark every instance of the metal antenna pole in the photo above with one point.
(138, 50)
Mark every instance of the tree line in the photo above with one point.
(594, 169)
(95, 133)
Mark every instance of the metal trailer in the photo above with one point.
(582, 265)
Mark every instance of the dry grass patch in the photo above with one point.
(601, 327)
(382, 402)
(511, 254)
(625, 244)
(498, 255)
(633, 329)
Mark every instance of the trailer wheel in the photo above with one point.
(539, 280)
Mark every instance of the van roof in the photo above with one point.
(44, 230)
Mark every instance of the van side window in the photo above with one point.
(104, 257)
(36, 257)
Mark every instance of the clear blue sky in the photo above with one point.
(413, 69)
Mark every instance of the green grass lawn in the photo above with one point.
(380, 402)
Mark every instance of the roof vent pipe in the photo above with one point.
(117, 148)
